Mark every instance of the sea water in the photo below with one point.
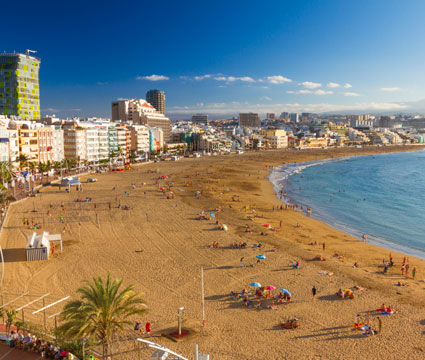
(382, 196)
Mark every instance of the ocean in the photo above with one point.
(382, 196)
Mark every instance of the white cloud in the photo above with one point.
(207, 76)
(311, 92)
(234, 78)
(348, 93)
(153, 77)
(310, 85)
(389, 89)
(101, 83)
(332, 85)
(348, 86)
(266, 98)
(277, 79)
(323, 92)
(61, 110)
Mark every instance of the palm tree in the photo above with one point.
(42, 169)
(23, 159)
(57, 165)
(102, 310)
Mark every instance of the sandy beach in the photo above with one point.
(160, 245)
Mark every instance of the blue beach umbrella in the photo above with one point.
(255, 284)
(261, 256)
(212, 214)
(286, 291)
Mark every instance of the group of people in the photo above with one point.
(261, 293)
(30, 342)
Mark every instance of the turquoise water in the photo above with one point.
(382, 196)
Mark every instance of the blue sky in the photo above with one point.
(222, 57)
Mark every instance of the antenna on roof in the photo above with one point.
(28, 51)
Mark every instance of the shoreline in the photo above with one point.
(292, 169)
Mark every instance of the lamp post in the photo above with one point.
(179, 316)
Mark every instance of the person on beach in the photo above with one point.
(364, 238)
(379, 324)
(407, 269)
(314, 292)
(242, 263)
(324, 246)
(413, 273)
(403, 269)
(148, 328)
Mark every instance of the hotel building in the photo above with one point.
(19, 86)
(157, 99)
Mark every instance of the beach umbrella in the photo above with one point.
(212, 214)
(271, 287)
(266, 225)
(286, 291)
(255, 284)
(261, 256)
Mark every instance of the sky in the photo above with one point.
(224, 57)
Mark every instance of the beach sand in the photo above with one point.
(160, 245)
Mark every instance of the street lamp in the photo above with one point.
(179, 316)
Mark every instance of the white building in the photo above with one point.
(58, 144)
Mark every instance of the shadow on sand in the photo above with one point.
(14, 255)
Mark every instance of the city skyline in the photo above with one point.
(295, 56)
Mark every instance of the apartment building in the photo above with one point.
(156, 139)
(13, 146)
(249, 120)
(275, 138)
(58, 144)
(4, 144)
(112, 140)
(45, 144)
(139, 138)
(28, 143)
(75, 143)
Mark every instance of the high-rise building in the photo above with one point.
(270, 116)
(157, 99)
(19, 86)
(249, 120)
(200, 119)
(284, 115)
(294, 117)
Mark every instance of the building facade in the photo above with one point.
(45, 144)
(19, 86)
(200, 119)
(249, 120)
(75, 144)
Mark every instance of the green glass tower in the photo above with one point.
(19, 86)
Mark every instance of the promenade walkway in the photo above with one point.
(8, 353)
